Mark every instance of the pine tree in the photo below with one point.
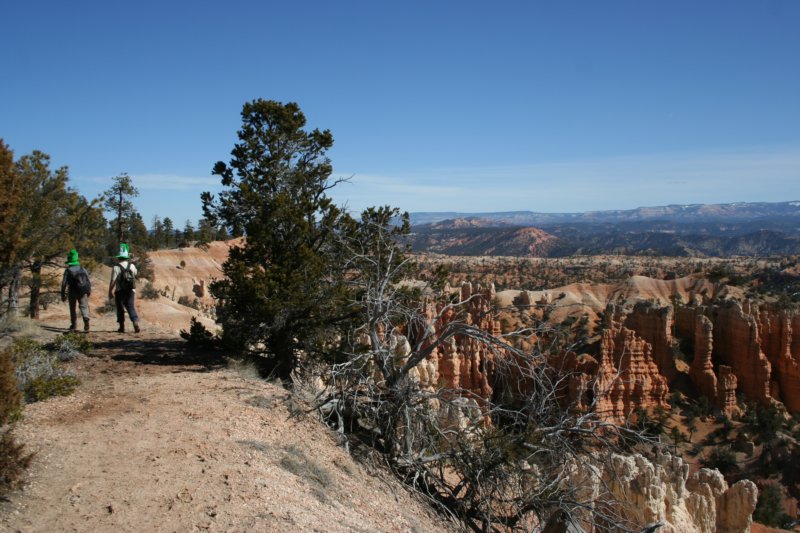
(117, 201)
(281, 290)
(188, 232)
(169, 232)
(156, 233)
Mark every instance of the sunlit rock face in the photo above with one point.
(462, 362)
(628, 377)
(648, 491)
(738, 348)
(654, 325)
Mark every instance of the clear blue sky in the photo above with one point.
(548, 106)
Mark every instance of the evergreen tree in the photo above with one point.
(117, 201)
(169, 231)
(156, 233)
(221, 234)
(52, 218)
(10, 234)
(188, 232)
(136, 231)
(281, 289)
(205, 231)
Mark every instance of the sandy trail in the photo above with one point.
(158, 440)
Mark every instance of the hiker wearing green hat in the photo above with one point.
(76, 286)
(123, 288)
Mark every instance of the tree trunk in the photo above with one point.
(119, 219)
(13, 292)
(36, 286)
(281, 346)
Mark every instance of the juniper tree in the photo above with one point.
(51, 218)
(10, 234)
(282, 291)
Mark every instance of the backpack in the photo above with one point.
(78, 281)
(126, 281)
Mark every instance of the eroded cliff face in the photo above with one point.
(662, 490)
(628, 374)
(737, 344)
(628, 377)
(654, 325)
(462, 362)
(779, 332)
(755, 347)
(738, 348)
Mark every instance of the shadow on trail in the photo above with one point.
(160, 352)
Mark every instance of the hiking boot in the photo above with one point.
(136, 327)
(85, 324)
(73, 327)
(121, 329)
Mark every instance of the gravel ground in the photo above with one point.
(155, 440)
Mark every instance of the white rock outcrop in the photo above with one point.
(662, 490)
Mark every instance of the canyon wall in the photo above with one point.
(628, 377)
(736, 348)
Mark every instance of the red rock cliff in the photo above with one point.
(628, 377)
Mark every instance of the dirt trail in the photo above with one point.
(157, 440)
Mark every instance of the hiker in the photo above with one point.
(76, 286)
(123, 288)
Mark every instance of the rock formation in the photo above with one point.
(780, 342)
(726, 392)
(702, 369)
(662, 490)
(755, 346)
(738, 348)
(737, 344)
(628, 377)
(654, 324)
(462, 362)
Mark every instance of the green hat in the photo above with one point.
(123, 251)
(72, 258)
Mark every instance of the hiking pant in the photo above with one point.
(82, 303)
(124, 300)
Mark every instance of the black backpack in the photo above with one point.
(78, 281)
(126, 281)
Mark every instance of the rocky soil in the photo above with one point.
(156, 439)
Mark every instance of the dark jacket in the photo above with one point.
(72, 271)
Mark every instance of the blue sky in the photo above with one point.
(552, 106)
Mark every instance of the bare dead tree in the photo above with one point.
(511, 461)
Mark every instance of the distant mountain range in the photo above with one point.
(674, 230)
(736, 212)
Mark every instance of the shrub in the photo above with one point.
(70, 345)
(42, 388)
(10, 398)
(107, 307)
(769, 509)
(149, 292)
(38, 373)
(198, 336)
(13, 461)
(723, 459)
(184, 300)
